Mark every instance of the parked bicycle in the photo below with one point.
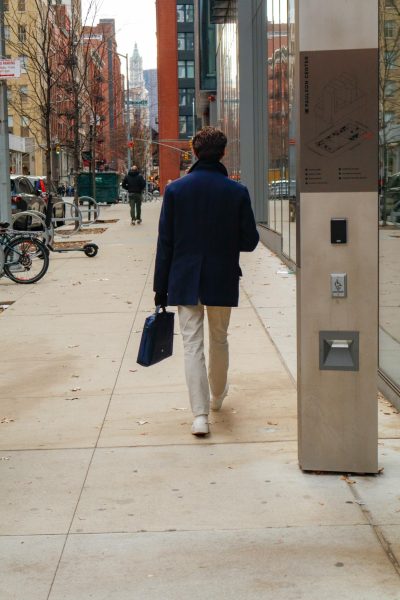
(25, 258)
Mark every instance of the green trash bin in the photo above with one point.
(107, 186)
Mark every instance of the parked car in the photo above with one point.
(23, 195)
(41, 187)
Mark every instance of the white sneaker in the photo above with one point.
(216, 402)
(200, 425)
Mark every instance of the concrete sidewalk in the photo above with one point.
(105, 494)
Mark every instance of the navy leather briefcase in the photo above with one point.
(157, 338)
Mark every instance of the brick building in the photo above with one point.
(106, 117)
(176, 83)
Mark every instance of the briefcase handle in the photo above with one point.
(159, 307)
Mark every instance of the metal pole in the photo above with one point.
(128, 116)
(5, 191)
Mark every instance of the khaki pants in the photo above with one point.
(191, 321)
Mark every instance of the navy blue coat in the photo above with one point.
(206, 221)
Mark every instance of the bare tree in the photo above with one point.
(389, 90)
(36, 38)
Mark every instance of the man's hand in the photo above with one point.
(161, 299)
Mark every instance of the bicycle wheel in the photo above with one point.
(26, 260)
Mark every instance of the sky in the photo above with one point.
(135, 21)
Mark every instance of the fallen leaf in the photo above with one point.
(6, 420)
(75, 389)
(175, 408)
(4, 458)
(132, 370)
(271, 423)
(73, 346)
(347, 479)
(141, 422)
(72, 398)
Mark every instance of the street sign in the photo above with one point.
(10, 68)
(138, 102)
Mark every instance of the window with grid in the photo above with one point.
(186, 41)
(21, 5)
(10, 123)
(185, 13)
(185, 69)
(186, 97)
(390, 29)
(6, 32)
(22, 33)
(6, 6)
(185, 126)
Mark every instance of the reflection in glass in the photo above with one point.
(389, 199)
(281, 188)
(228, 59)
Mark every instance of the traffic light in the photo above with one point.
(58, 149)
(131, 144)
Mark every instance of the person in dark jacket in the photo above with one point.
(134, 183)
(206, 221)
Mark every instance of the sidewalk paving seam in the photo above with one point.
(93, 449)
(376, 529)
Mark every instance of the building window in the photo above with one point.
(186, 97)
(185, 69)
(389, 118)
(24, 63)
(10, 124)
(185, 126)
(390, 59)
(22, 33)
(5, 4)
(23, 92)
(390, 29)
(185, 13)
(391, 88)
(21, 5)
(24, 127)
(6, 32)
(186, 41)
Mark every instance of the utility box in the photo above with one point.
(106, 186)
(337, 236)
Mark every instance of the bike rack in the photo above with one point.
(88, 206)
(75, 218)
(47, 232)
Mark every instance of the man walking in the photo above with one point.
(134, 183)
(206, 221)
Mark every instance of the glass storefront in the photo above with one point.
(228, 78)
(279, 201)
(281, 196)
(389, 199)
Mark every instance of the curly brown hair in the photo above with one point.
(209, 144)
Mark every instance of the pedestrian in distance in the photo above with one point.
(206, 220)
(134, 183)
